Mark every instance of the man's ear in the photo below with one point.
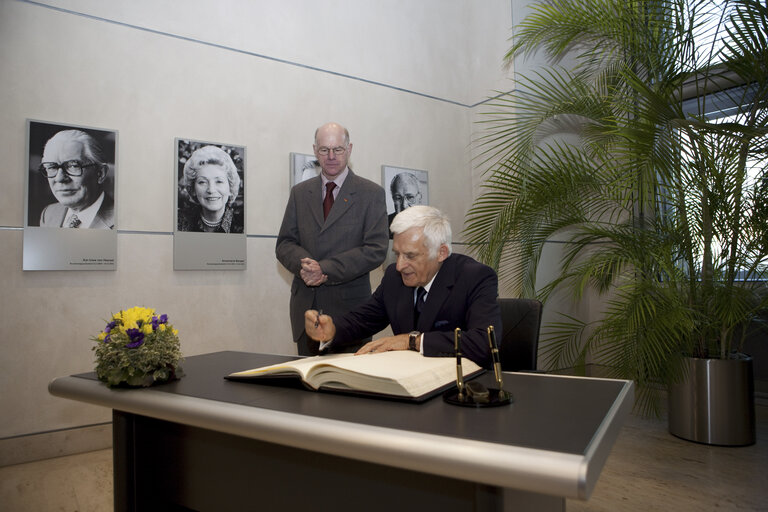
(103, 169)
(443, 253)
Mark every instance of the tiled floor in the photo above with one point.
(648, 470)
(76, 483)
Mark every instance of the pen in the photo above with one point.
(496, 362)
(317, 320)
(459, 372)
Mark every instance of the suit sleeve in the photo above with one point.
(288, 251)
(482, 310)
(362, 322)
(370, 253)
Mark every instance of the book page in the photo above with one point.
(300, 367)
(400, 372)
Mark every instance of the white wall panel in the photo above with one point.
(401, 75)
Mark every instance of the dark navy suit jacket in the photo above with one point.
(463, 295)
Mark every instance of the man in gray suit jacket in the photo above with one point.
(74, 166)
(334, 232)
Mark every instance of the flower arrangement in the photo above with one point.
(138, 348)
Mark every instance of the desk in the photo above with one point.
(205, 443)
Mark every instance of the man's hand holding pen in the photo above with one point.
(311, 273)
(319, 327)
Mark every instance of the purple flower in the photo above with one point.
(109, 327)
(136, 337)
(107, 338)
(157, 321)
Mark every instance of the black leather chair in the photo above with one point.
(519, 341)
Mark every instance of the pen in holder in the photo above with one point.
(459, 372)
(473, 393)
(500, 393)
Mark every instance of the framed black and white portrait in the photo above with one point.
(210, 209)
(303, 167)
(71, 181)
(404, 188)
(210, 187)
(70, 219)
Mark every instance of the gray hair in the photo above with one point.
(436, 226)
(91, 149)
(210, 155)
(405, 177)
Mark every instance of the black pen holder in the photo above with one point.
(493, 399)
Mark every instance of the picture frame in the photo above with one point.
(412, 188)
(39, 193)
(70, 218)
(204, 238)
(303, 167)
(185, 148)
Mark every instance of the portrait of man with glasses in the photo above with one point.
(406, 188)
(74, 165)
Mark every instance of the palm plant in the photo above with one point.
(663, 207)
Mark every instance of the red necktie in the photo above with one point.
(328, 201)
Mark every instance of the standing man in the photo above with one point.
(74, 166)
(334, 232)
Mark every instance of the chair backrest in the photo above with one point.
(519, 342)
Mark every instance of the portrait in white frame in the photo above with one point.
(303, 167)
(404, 188)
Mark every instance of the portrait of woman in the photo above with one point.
(208, 191)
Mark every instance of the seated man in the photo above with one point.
(424, 297)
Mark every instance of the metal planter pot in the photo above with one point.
(715, 403)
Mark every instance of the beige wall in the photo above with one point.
(405, 77)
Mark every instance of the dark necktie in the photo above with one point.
(74, 221)
(419, 305)
(328, 201)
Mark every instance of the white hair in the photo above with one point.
(435, 224)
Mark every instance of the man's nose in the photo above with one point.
(399, 263)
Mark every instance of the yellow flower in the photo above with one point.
(132, 316)
(175, 332)
(146, 328)
(161, 327)
(101, 336)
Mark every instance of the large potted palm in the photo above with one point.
(660, 201)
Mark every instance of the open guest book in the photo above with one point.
(400, 374)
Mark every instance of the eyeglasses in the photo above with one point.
(70, 167)
(338, 150)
